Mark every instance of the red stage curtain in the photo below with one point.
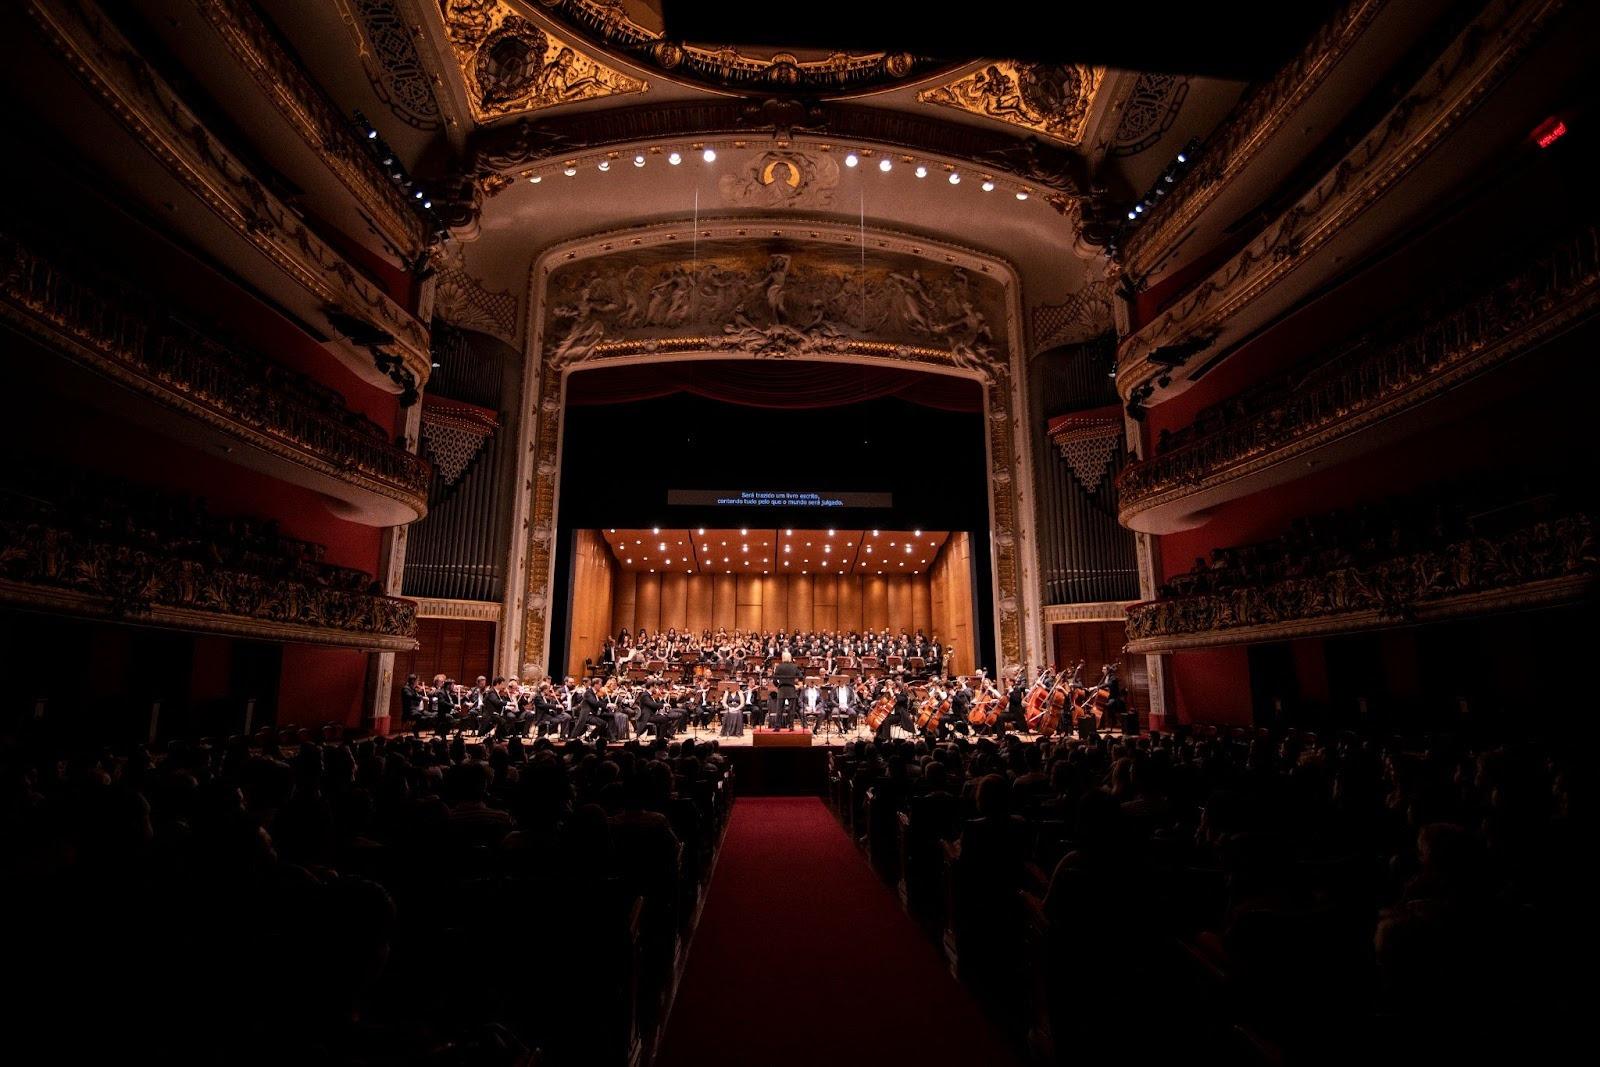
(773, 384)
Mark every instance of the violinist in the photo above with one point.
(550, 712)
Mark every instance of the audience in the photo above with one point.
(1286, 899)
(385, 900)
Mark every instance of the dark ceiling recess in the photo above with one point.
(1245, 39)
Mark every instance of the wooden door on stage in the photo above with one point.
(1097, 643)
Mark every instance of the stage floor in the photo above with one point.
(788, 738)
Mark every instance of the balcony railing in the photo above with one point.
(131, 336)
(108, 571)
(1401, 362)
(1547, 560)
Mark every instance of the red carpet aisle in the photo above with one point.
(804, 957)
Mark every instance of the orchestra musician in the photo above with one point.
(733, 702)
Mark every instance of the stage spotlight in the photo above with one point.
(418, 194)
(674, 159)
(1131, 215)
(655, 529)
(916, 533)
(1138, 209)
(850, 160)
(830, 533)
(921, 172)
(874, 533)
(955, 177)
(630, 559)
(886, 164)
(1022, 196)
(788, 533)
(427, 203)
(702, 531)
(372, 135)
(709, 155)
(1182, 158)
(743, 533)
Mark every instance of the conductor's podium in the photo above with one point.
(761, 737)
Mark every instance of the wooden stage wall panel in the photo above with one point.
(951, 593)
(595, 593)
(458, 648)
(789, 602)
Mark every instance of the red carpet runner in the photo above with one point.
(804, 957)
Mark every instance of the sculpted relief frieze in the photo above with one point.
(775, 298)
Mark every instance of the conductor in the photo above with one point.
(784, 677)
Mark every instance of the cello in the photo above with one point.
(1054, 703)
(1033, 706)
(880, 711)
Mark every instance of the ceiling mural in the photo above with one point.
(1048, 98)
(634, 28)
(778, 297)
(511, 66)
(1150, 111)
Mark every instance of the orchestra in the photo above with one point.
(832, 684)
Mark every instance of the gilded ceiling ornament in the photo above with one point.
(783, 179)
(511, 66)
(636, 31)
(1048, 98)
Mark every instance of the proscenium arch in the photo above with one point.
(524, 640)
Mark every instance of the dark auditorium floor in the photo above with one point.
(803, 956)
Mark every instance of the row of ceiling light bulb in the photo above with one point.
(852, 159)
(787, 548)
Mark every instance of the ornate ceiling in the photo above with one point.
(536, 122)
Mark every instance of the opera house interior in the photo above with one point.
(642, 533)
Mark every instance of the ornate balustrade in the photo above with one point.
(1403, 362)
(1544, 561)
(116, 331)
(123, 569)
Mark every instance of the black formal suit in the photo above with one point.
(551, 713)
(492, 707)
(413, 702)
(785, 676)
(585, 707)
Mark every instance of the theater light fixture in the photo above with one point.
(709, 155)
(921, 172)
(675, 158)
(955, 177)
(885, 164)
(850, 160)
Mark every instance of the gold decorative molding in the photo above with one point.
(307, 109)
(154, 115)
(466, 610)
(766, 290)
(84, 605)
(1554, 592)
(1100, 611)
(1389, 370)
(511, 66)
(1048, 98)
(618, 27)
(1244, 134)
(1470, 68)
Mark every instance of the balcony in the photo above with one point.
(1345, 405)
(262, 415)
(1531, 558)
(77, 545)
